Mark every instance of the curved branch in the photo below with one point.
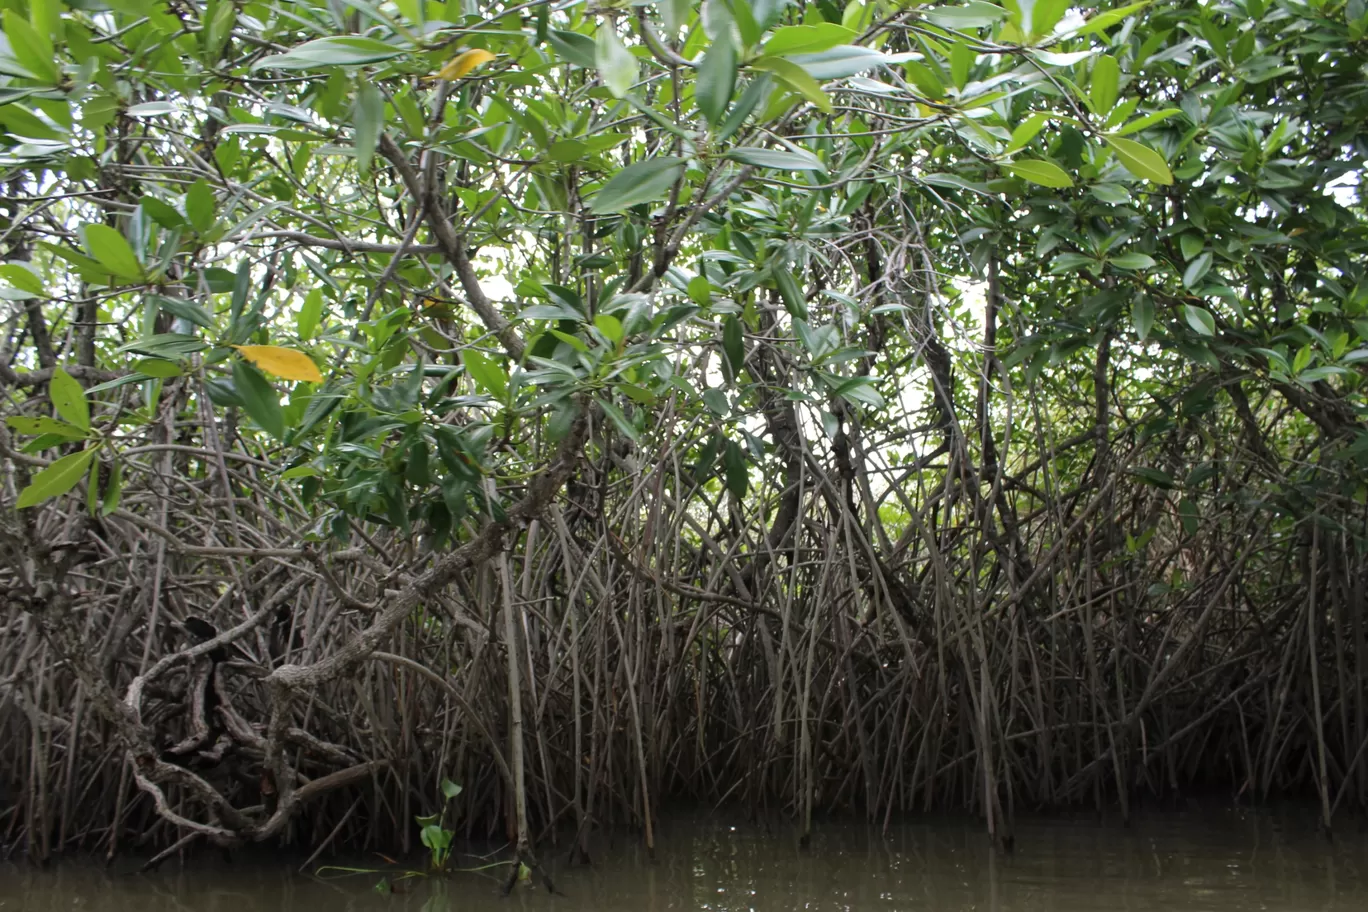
(452, 246)
(487, 542)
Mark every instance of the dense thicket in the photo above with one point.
(789, 405)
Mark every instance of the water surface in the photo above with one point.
(1235, 860)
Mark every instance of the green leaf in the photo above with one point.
(1045, 14)
(450, 789)
(738, 478)
(962, 60)
(1148, 120)
(733, 345)
(615, 63)
(22, 277)
(1106, 79)
(610, 326)
(84, 264)
(574, 47)
(19, 121)
(643, 182)
(558, 425)
(113, 253)
(745, 22)
(1142, 316)
(973, 15)
(56, 479)
(93, 488)
(842, 61)
(1107, 18)
(162, 213)
(1200, 319)
(340, 50)
(259, 399)
(242, 283)
(926, 81)
(675, 14)
(750, 98)
(33, 427)
(419, 469)
(856, 14)
(1111, 194)
(1027, 130)
(164, 345)
(117, 382)
(1057, 59)
(618, 418)
(1302, 359)
(33, 51)
(113, 489)
(807, 39)
(558, 311)
(1188, 515)
(1154, 477)
(715, 17)
(1324, 372)
(156, 367)
(796, 78)
(1133, 261)
(573, 341)
(1141, 160)
(221, 392)
(638, 394)
(68, 398)
(794, 301)
(700, 290)
(567, 150)
(487, 374)
(45, 16)
(200, 205)
(1197, 269)
(1070, 262)
(1040, 171)
(716, 79)
(861, 390)
(309, 314)
(186, 310)
(435, 837)
(45, 442)
(777, 159)
(222, 17)
(716, 401)
(368, 122)
(152, 109)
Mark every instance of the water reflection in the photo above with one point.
(1228, 861)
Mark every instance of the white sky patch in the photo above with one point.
(494, 261)
(497, 287)
(1345, 188)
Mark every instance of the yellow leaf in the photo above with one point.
(283, 362)
(436, 308)
(463, 63)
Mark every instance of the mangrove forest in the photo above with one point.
(443, 420)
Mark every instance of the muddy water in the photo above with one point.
(1235, 860)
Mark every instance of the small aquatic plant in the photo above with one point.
(437, 839)
(435, 836)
